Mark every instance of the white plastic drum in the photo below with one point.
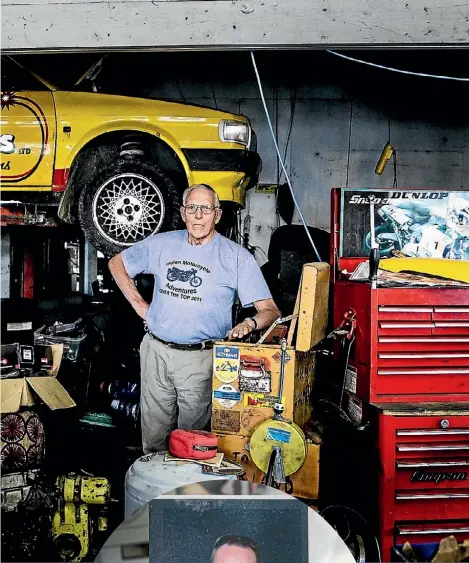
(150, 476)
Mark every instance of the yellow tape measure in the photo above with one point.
(287, 435)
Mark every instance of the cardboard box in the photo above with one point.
(305, 480)
(17, 393)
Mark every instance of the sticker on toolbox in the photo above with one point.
(355, 409)
(227, 363)
(277, 357)
(260, 400)
(278, 435)
(226, 420)
(255, 376)
(351, 378)
(227, 395)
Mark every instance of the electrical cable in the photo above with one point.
(281, 160)
(259, 248)
(290, 125)
(408, 72)
(344, 381)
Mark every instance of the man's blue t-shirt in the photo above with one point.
(195, 285)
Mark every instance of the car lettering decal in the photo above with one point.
(10, 99)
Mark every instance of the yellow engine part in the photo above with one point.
(90, 490)
(287, 435)
(442, 267)
(71, 532)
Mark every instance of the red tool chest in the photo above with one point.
(407, 358)
(411, 343)
(424, 481)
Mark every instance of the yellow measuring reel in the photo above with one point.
(284, 434)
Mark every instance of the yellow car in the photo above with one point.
(118, 164)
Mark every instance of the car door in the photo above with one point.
(28, 134)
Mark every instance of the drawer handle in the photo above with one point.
(401, 496)
(410, 465)
(408, 325)
(423, 371)
(418, 355)
(426, 340)
(434, 432)
(424, 448)
(386, 309)
(451, 310)
(440, 324)
(417, 532)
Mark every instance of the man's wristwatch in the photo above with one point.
(254, 321)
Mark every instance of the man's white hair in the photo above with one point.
(188, 190)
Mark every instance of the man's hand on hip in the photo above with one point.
(241, 330)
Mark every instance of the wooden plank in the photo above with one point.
(296, 312)
(71, 25)
(314, 302)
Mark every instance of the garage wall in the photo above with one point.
(338, 133)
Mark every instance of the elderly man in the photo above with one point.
(197, 274)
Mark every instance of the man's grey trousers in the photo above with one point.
(176, 391)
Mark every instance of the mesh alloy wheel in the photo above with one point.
(128, 208)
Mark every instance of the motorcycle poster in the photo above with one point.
(408, 222)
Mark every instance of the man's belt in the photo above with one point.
(205, 345)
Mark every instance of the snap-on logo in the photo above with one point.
(438, 476)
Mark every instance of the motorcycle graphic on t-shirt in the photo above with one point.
(175, 274)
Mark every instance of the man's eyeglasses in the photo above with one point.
(206, 209)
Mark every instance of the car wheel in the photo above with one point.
(126, 203)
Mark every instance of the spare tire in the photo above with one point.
(125, 203)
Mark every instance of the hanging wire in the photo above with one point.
(408, 72)
(290, 124)
(269, 121)
(277, 211)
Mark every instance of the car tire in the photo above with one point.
(125, 203)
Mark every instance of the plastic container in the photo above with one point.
(150, 476)
(71, 345)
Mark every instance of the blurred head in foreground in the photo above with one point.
(235, 549)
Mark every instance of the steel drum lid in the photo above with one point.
(287, 435)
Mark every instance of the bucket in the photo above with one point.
(150, 476)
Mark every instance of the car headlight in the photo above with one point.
(234, 132)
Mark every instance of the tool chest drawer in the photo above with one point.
(422, 350)
(426, 537)
(424, 453)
